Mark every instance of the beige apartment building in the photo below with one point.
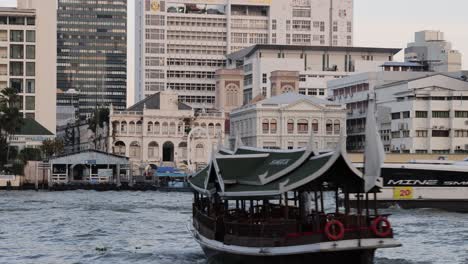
(181, 43)
(28, 57)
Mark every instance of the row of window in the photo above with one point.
(300, 127)
(424, 114)
(17, 20)
(425, 133)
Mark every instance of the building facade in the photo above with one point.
(78, 136)
(27, 57)
(286, 122)
(355, 91)
(180, 44)
(162, 131)
(315, 66)
(428, 115)
(92, 52)
(431, 49)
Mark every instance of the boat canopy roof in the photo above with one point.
(250, 172)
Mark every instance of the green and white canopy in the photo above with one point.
(249, 172)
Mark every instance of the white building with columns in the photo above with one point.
(286, 121)
(162, 131)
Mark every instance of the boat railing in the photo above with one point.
(268, 228)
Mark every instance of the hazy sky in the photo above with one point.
(385, 23)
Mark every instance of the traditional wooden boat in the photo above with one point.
(270, 206)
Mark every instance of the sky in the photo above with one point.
(378, 23)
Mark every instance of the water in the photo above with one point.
(150, 227)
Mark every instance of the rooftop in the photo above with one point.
(290, 98)
(247, 52)
(31, 127)
(154, 102)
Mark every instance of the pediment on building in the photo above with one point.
(304, 105)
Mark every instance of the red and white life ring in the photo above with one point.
(381, 227)
(334, 230)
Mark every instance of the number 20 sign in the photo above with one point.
(403, 193)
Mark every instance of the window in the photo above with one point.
(16, 20)
(273, 126)
(30, 36)
(302, 126)
(31, 21)
(265, 126)
(273, 24)
(30, 86)
(421, 114)
(302, 78)
(336, 127)
(329, 127)
(396, 134)
(264, 78)
(321, 91)
(461, 114)
(17, 84)
(421, 133)
(16, 36)
(290, 126)
(153, 150)
(16, 51)
(16, 68)
(335, 26)
(30, 52)
(440, 114)
(440, 133)
(406, 133)
(30, 103)
(406, 114)
(461, 133)
(315, 126)
(396, 116)
(30, 69)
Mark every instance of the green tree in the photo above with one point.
(28, 154)
(51, 147)
(10, 117)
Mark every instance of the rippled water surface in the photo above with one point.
(150, 227)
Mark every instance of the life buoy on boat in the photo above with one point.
(381, 227)
(334, 230)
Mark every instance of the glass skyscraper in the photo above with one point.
(92, 52)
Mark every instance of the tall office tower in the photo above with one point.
(434, 52)
(92, 52)
(28, 57)
(180, 44)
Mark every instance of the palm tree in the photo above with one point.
(10, 117)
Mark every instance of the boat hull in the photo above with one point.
(459, 205)
(353, 256)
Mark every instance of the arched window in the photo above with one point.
(157, 128)
(337, 127)
(203, 125)
(183, 150)
(219, 129)
(290, 126)
(172, 128)
(153, 150)
(303, 126)
(123, 127)
(165, 128)
(211, 129)
(265, 126)
(329, 127)
(315, 126)
(131, 127)
(200, 151)
(180, 128)
(273, 126)
(232, 95)
(119, 148)
(115, 127)
(150, 128)
(135, 150)
(139, 127)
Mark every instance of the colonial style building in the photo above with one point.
(286, 121)
(160, 130)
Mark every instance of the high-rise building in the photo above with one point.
(92, 52)
(28, 57)
(180, 44)
(434, 52)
